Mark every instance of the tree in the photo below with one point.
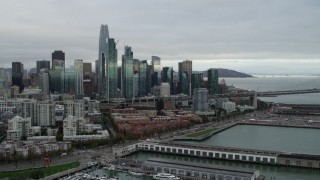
(37, 174)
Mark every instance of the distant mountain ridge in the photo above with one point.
(227, 73)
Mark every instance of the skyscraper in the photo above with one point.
(185, 70)
(44, 80)
(127, 73)
(101, 75)
(17, 75)
(58, 59)
(42, 64)
(196, 80)
(200, 100)
(136, 64)
(167, 76)
(78, 74)
(87, 78)
(213, 81)
(143, 78)
(156, 70)
(112, 69)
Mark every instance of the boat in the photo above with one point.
(135, 173)
(162, 176)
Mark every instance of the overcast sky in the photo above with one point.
(253, 36)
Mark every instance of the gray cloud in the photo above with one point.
(175, 30)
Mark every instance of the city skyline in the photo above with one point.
(225, 34)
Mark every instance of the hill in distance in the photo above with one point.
(227, 73)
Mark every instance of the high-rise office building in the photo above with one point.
(149, 78)
(78, 74)
(17, 75)
(184, 84)
(135, 85)
(42, 64)
(58, 59)
(112, 69)
(200, 100)
(136, 64)
(156, 64)
(143, 78)
(87, 78)
(127, 73)
(68, 81)
(196, 80)
(56, 77)
(44, 80)
(185, 70)
(103, 40)
(213, 81)
(167, 76)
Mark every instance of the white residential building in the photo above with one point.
(74, 108)
(73, 126)
(45, 114)
(18, 127)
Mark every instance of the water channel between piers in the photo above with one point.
(300, 140)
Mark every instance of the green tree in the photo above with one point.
(37, 174)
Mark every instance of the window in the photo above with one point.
(196, 174)
(237, 157)
(210, 154)
(192, 152)
(212, 176)
(185, 151)
(198, 153)
(272, 160)
(217, 155)
(180, 151)
(159, 169)
(162, 149)
(188, 173)
(204, 153)
(224, 155)
(258, 159)
(173, 171)
(157, 148)
(265, 160)
(168, 149)
(250, 158)
(174, 150)
(230, 156)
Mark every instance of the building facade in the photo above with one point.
(127, 73)
(213, 81)
(78, 74)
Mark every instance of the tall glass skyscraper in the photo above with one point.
(17, 75)
(156, 70)
(167, 76)
(185, 70)
(101, 75)
(143, 78)
(127, 73)
(213, 81)
(196, 80)
(42, 64)
(78, 74)
(68, 80)
(112, 69)
(58, 59)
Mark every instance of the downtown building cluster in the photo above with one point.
(134, 78)
(37, 95)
